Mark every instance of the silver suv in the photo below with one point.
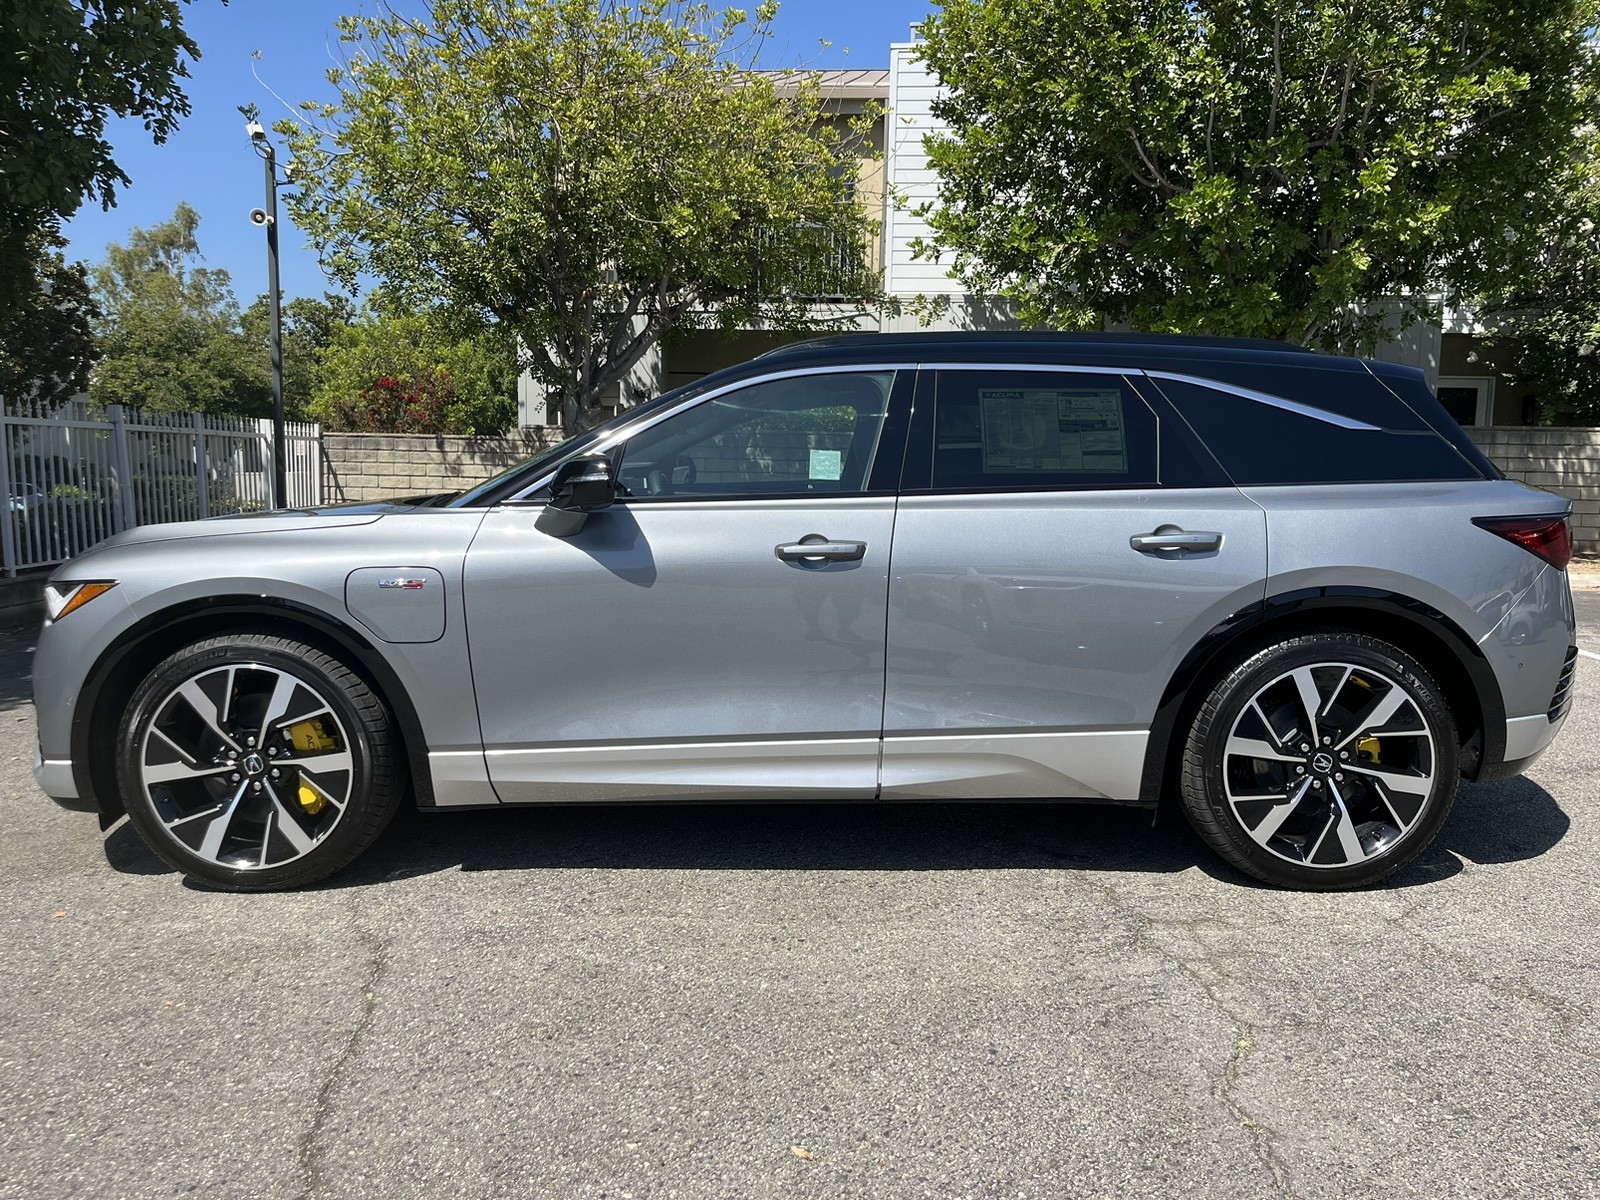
(1280, 589)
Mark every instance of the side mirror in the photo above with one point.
(581, 485)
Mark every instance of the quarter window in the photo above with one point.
(797, 436)
(1258, 444)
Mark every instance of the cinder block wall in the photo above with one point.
(382, 466)
(1559, 460)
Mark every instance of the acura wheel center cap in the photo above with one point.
(1322, 762)
(254, 764)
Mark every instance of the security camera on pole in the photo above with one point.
(268, 218)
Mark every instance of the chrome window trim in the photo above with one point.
(631, 430)
(1058, 368)
(1216, 385)
(867, 368)
(1294, 406)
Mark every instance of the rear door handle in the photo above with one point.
(1171, 537)
(814, 548)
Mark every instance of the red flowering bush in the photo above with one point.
(398, 405)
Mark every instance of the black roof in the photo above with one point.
(992, 346)
(1033, 339)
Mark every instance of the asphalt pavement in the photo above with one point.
(853, 1000)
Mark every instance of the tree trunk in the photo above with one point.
(576, 416)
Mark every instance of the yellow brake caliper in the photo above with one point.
(1369, 746)
(311, 736)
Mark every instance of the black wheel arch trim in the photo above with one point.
(206, 617)
(1483, 757)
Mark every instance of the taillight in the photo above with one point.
(1547, 536)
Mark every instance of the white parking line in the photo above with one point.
(1589, 654)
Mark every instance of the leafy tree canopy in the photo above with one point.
(69, 65)
(1546, 323)
(47, 331)
(588, 173)
(417, 373)
(310, 326)
(169, 328)
(1250, 167)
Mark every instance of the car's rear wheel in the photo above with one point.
(256, 762)
(1325, 761)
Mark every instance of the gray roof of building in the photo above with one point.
(844, 85)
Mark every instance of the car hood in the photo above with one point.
(276, 521)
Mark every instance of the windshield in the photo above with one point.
(509, 483)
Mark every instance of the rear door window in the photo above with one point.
(994, 429)
(997, 430)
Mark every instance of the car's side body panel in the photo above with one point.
(1031, 613)
(1417, 540)
(703, 666)
(210, 567)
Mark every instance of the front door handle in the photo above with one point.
(814, 549)
(1171, 537)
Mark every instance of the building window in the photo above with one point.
(1469, 400)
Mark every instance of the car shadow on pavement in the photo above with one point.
(1503, 822)
(786, 837)
(16, 667)
(751, 837)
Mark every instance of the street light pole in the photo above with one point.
(269, 217)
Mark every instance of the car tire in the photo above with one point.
(1322, 762)
(258, 763)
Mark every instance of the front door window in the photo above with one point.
(807, 435)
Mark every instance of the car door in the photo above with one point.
(719, 630)
(1060, 547)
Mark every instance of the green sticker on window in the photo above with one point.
(827, 464)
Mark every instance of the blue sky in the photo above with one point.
(209, 162)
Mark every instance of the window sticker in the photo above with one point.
(827, 464)
(1030, 430)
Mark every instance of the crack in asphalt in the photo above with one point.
(311, 1150)
(1261, 1136)
(1263, 1141)
(1567, 1017)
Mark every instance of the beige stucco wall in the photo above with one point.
(1465, 356)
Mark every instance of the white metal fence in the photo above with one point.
(72, 479)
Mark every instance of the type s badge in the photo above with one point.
(399, 604)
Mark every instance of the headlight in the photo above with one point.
(61, 598)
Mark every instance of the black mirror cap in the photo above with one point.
(584, 484)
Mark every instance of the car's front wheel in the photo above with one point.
(1325, 761)
(256, 762)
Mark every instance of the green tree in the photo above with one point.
(169, 328)
(69, 65)
(310, 326)
(588, 174)
(1546, 324)
(47, 340)
(1248, 166)
(417, 373)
